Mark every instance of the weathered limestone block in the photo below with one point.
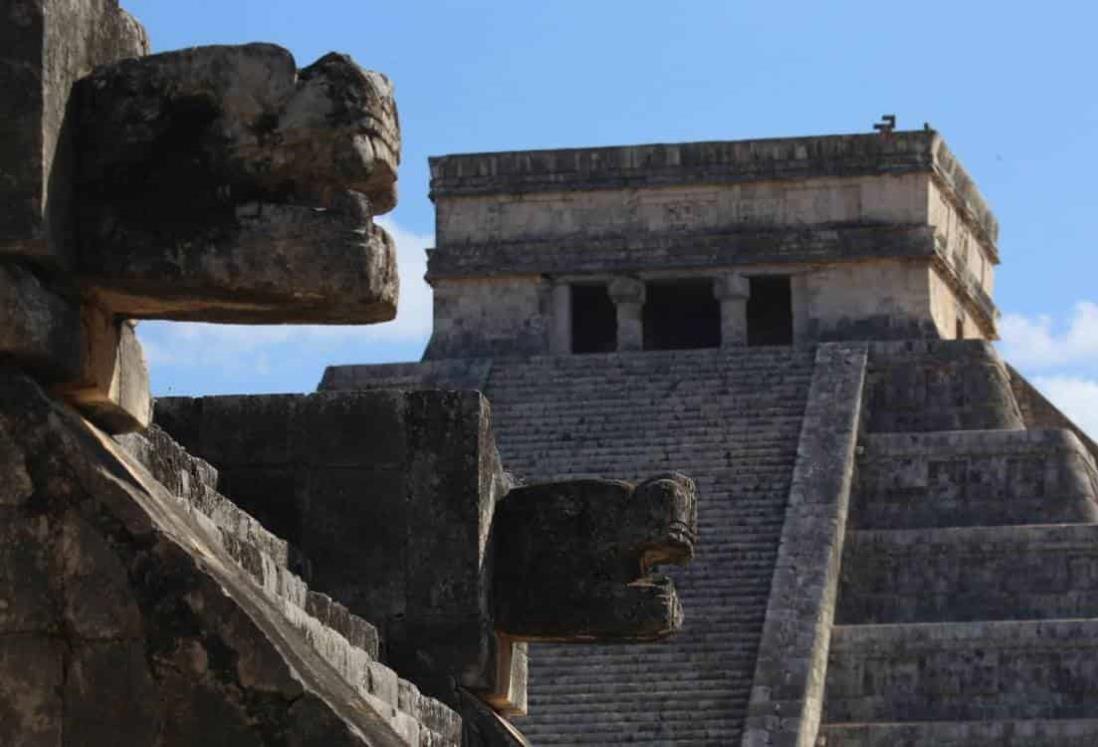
(938, 385)
(974, 478)
(222, 184)
(45, 46)
(91, 359)
(136, 625)
(572, 559)
(112, 387)
(39, 329)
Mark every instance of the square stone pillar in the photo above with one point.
(628, 296)
(732, 290)
(560, 334)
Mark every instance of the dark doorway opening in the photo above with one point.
(681, 314)
(770, 311)
(594, 320)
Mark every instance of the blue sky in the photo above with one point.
(1010, 86)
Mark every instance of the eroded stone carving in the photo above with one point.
(221, 183)
(573, 558)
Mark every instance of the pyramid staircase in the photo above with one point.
(967, 609)
(731, 421)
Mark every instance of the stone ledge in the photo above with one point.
(680, 249)
(1036, 733)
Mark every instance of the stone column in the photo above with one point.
(628, 295)
(560, 331)
(732, 290)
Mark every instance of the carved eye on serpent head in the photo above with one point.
(670, 511)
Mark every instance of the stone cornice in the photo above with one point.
(661, 165)
(680, 250)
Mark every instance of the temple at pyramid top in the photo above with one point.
(754, 242)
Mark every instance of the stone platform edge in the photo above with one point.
(787, 693)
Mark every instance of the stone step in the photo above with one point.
(1037, 733)
(706, 415)
(938, 385)
(971, 671)
(969, 573)
(973, 478)
(347, 642)
(194, 480)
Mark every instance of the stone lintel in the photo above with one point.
(674, 164)
(620, 254)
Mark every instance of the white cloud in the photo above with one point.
(242, 348)
(1076, 396)
(1036, 343)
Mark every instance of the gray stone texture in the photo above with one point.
(678, 250)
(45, 47)
(974, 478)
(39, 328)
(787, 691)
(1038, 412)
(112, 387)
(222, 184)
(933, 385)
(134, 614)
(572, 558)
(966, 599)
(374, 487)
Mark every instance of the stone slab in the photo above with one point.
(1045, 669)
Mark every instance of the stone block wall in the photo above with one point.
(390, 495)
(476, 317)
(138, 614)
